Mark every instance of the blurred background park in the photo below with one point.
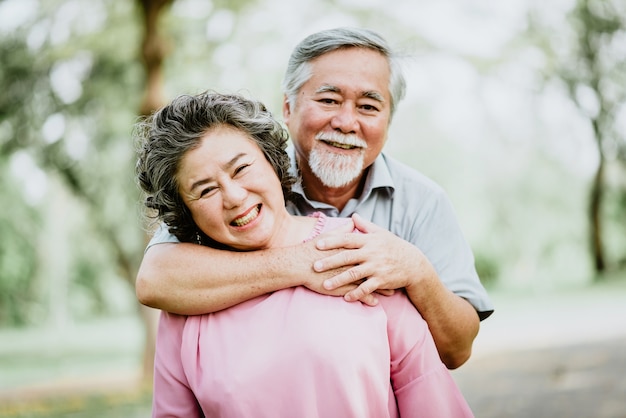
(517, 108)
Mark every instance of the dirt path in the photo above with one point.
(550, 355)
(574, 381)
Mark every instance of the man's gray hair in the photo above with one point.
(299, 66)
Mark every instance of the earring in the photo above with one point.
(198, 238)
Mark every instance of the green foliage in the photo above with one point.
(487, 268)
(587, 57)
(72, 86)
(89, 82)
(18, 224)
(19, 75)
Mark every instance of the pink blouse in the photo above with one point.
(296, 353)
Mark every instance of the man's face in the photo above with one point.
(340, 119)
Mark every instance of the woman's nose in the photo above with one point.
(233, 195)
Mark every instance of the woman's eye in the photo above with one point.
(206, 191)
(241, 168)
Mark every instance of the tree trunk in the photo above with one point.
(153, 51)
(595, 210)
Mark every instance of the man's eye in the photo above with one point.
(328, 101)
(369, 108)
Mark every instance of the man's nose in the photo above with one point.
(345, 119)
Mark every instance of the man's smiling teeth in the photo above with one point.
(245, 220)
(340, 145)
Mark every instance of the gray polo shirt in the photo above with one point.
(413, 207)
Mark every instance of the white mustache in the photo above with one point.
(340, 138)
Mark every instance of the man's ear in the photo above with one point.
(286, 109)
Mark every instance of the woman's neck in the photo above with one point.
(298, 230)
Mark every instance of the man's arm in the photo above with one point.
(453, 321)
(190, 279)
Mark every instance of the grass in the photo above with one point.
(77, 370)
(133, 404)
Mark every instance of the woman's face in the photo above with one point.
(232, 191)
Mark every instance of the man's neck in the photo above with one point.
(338, 197)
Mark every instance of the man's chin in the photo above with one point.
(335, 170)
(335, 179)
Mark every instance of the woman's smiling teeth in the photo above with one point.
(249, 217)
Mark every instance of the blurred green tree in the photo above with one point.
(18, 222)
(75, 75)
(63, 82)
(71, 86)
(592, 65)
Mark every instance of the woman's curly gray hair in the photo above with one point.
(168, 134)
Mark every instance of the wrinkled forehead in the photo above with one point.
(361, 69)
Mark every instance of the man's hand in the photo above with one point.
(385, 261)
(315, 280)
(378, 259)
(316, 286)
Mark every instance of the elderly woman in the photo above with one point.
(214, 169)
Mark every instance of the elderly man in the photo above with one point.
(341, 89)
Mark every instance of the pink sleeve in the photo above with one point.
(172, 396)
(421, 382)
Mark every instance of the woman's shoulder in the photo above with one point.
(325, 223)
(399, 305)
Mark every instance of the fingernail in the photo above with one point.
(317, 266)
(321, 244)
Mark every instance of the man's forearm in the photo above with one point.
(452, 320)
(190, 279)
